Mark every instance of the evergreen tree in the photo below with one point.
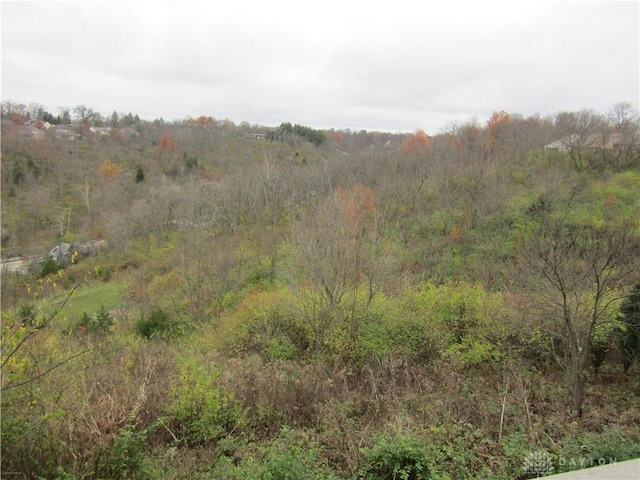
(139, 174)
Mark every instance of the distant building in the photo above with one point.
(61, 253)
(101, 131)
(31, 132)
(564, 144)
(64, 132)
(595, 141)
(128, 133)
(42, 125)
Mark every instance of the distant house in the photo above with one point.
(564, 144)
(611, 141)
(64, 132)
(61, 253)
(42, 125)
(595, 141)
(128, 132)
(31, 132)
(256, 136)
(101, 131)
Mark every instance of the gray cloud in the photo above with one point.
(351, 65)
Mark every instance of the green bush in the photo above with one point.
(629, 337)
(99, 322)
(27, 315)
(401, 457)
(291, 459)
(158, 323)
(592, 449)
(126, 456)
(400, 326)
(50, 266)
(289, 456)
(265, 325)
(202, 411)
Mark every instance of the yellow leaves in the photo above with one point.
(109, 170)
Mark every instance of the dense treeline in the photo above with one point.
(295, 303)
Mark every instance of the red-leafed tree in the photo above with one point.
(167, 143)
(357, 210)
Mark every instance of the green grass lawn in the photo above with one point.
(90, 299)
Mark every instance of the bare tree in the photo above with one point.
(85, 193)
(579, 131)
(335, 244)
(7, 108)
(84, 114)
(625, 136)
(575, 274)
(36, 111)
(206, 265)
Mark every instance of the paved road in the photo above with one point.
(628, 470)
(20, 265)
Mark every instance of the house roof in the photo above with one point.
(564, 143)
(30, 132)
(63, 248)
(603, 140)
(101, 131)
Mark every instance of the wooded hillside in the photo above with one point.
(282, 302)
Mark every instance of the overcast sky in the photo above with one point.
(393, 66)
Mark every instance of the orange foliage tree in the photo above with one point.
(358, 213)
(336, 137)
(416, 144)
(455, 235)
(167, 144)
(204, 120)
(109, 170)
(495, 124)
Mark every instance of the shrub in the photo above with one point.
(291, 459)
(27, 315)
(125, 457)
(50, 266)
(158, 323)
(266, 326)
(290, 456)
(592, 449)
(401, 326)
(401, 457)
(629, 316)
(203, 411)
(99, 322)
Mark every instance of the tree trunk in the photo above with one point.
(578, 395)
